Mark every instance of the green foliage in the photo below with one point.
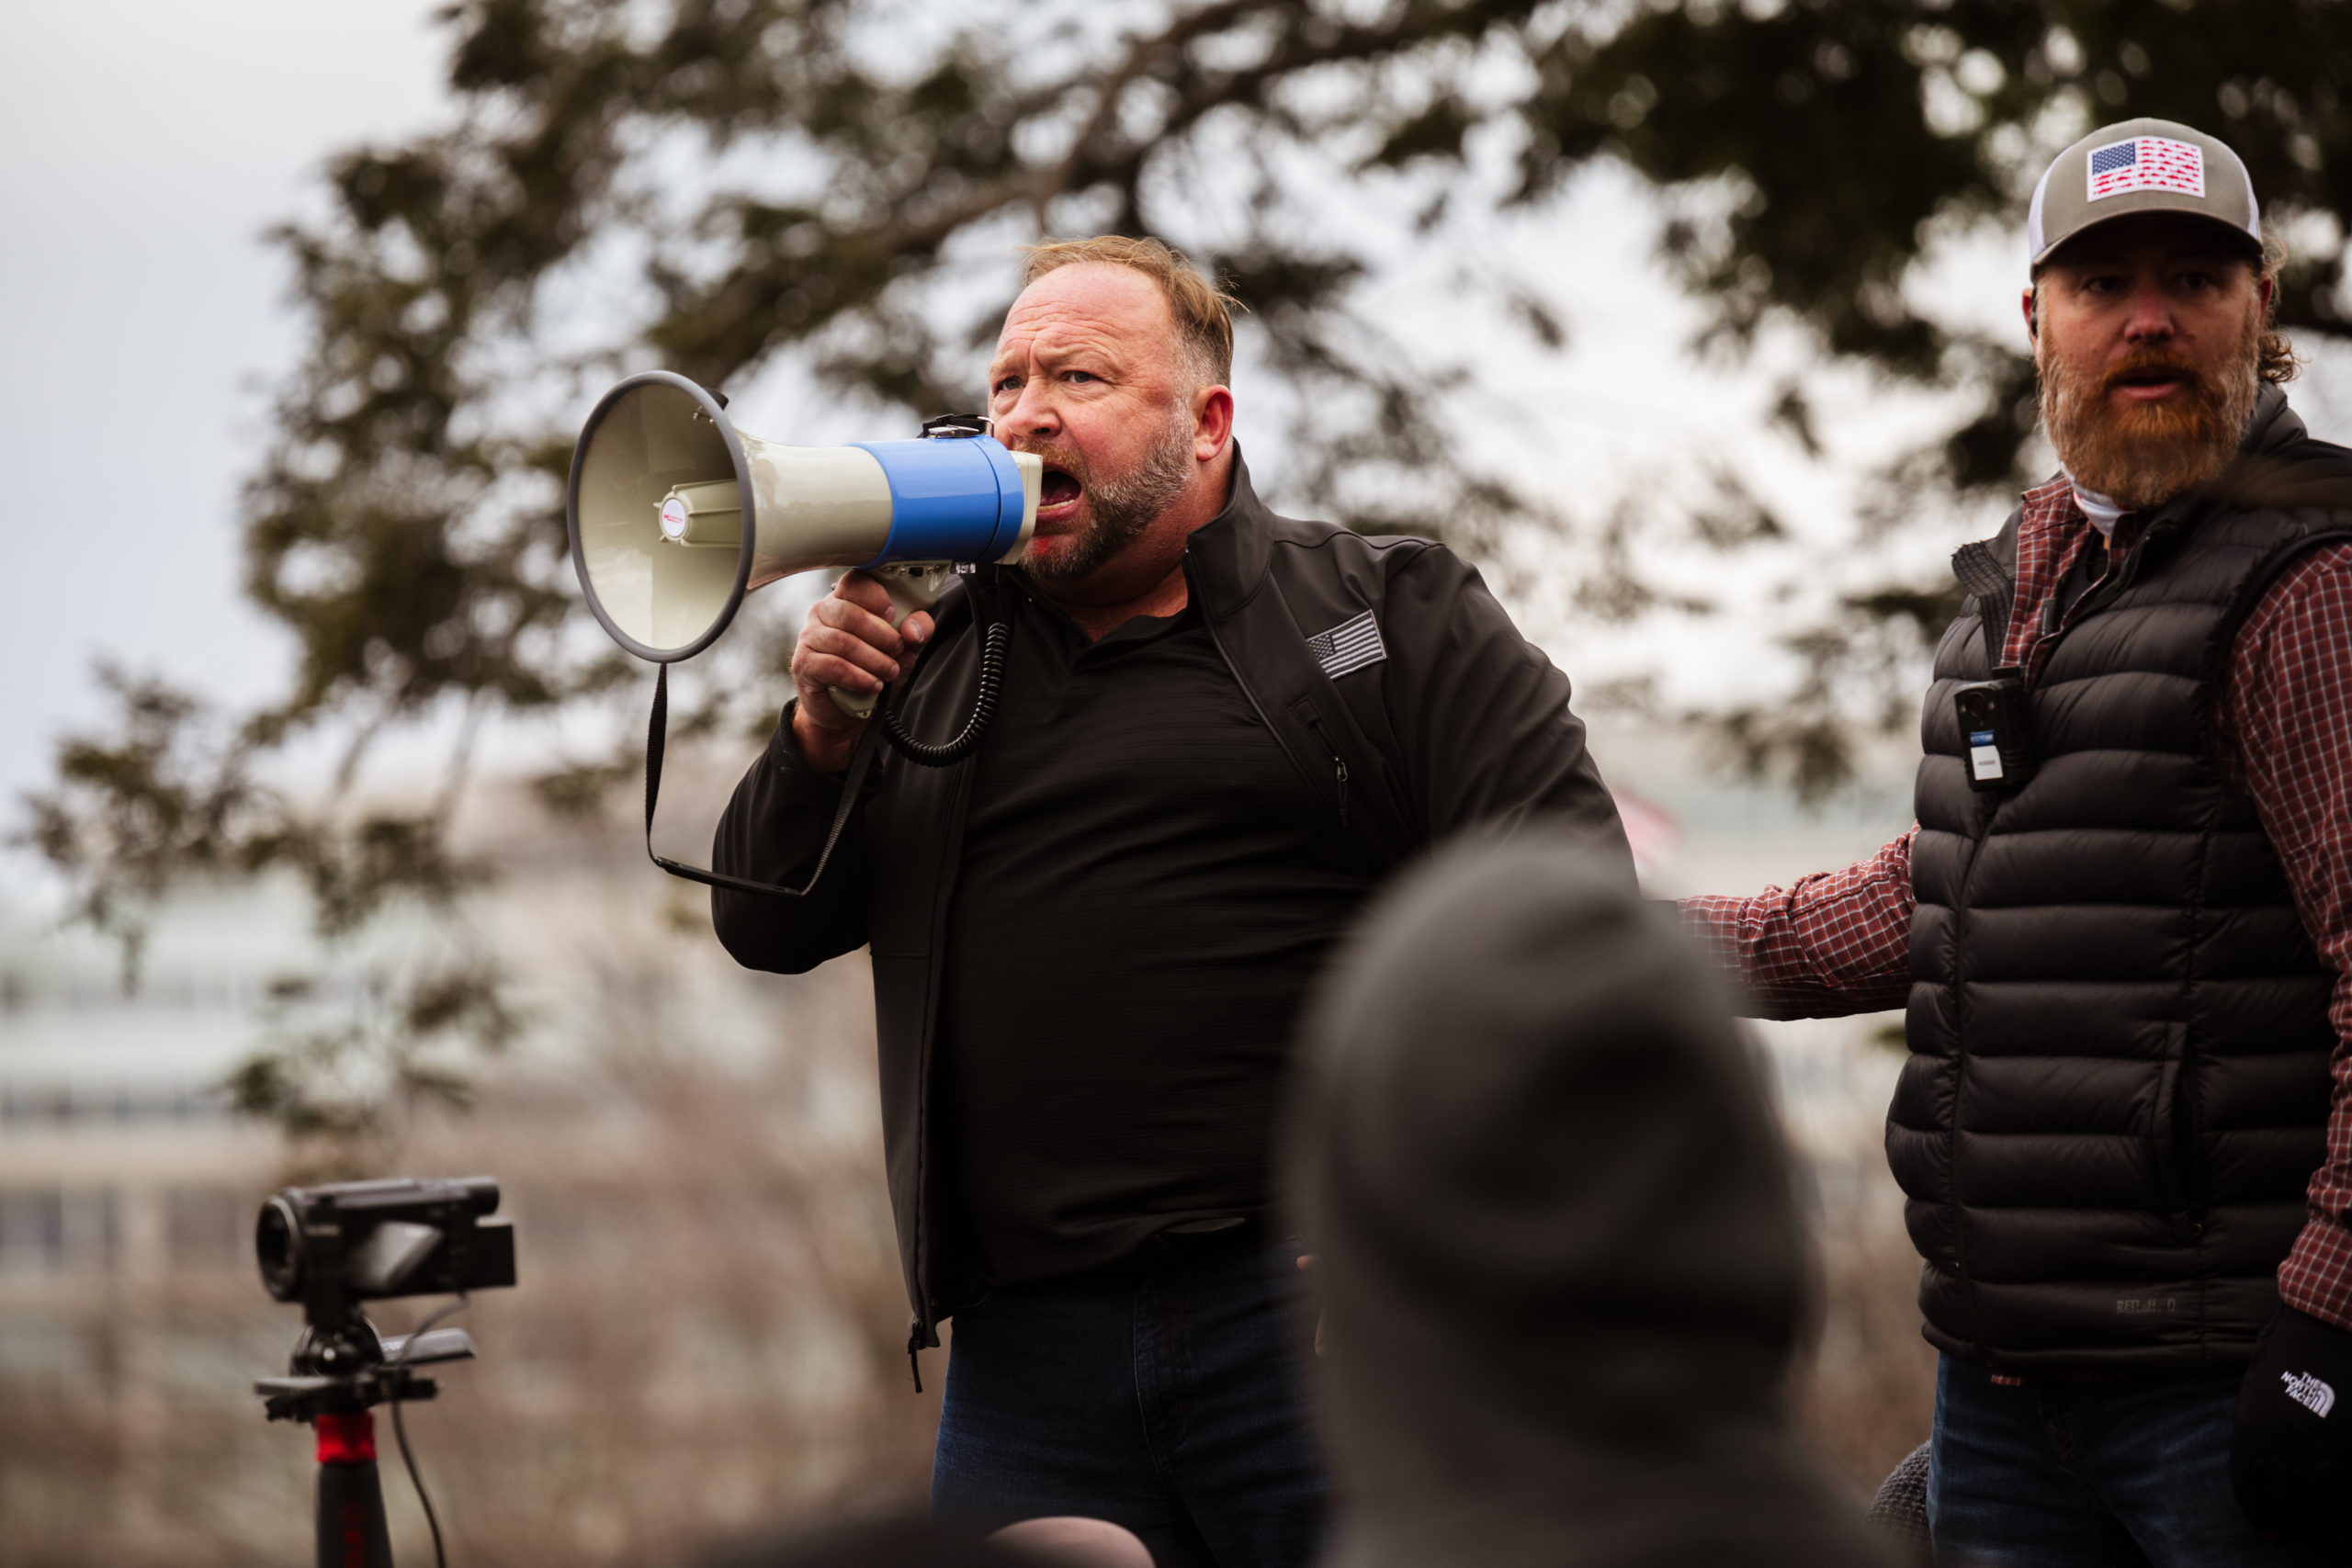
(740, 181)
(334, 1069)
(130, 813)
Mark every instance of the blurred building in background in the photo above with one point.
(707, 1334)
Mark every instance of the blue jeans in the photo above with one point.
(2077, 1473)
(1162, 1394)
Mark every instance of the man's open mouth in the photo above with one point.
(1061, 488)
(2151, 377)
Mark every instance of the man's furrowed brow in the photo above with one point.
(1088, 349)
(1084, 349)
(1015, 358)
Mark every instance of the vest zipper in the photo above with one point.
(2121, 572)
(2054, 625)
(1994, 646)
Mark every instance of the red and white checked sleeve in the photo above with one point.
(2288, 709)
(1826, 945)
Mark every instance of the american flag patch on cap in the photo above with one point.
(2147, 162)
(1349, 645)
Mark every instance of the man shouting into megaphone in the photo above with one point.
(1218, 729)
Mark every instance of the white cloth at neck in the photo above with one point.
(2099, 509)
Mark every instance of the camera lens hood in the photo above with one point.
(277, 1242)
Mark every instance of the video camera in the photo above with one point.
(364, 1241)
(333, 1247)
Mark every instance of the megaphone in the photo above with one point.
(675, 515)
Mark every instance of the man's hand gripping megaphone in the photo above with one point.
(856, 642)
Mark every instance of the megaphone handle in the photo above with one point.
(657, 731)
(856, 705)
(912, 585)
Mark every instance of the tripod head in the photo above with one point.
(348, 1367)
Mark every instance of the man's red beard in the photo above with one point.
(1122, 507)
(2141, 455)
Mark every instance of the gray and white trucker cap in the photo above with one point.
(2140, 165)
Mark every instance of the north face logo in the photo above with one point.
(2310, 1393)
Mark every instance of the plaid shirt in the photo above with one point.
(1839, 941)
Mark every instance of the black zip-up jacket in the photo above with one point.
(1462, 724)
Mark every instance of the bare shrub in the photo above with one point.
(1865, 1390)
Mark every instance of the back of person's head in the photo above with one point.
(911, 1541)
(905, 1540)
(1557, 1242)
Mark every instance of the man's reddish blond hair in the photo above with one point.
(1202, 311)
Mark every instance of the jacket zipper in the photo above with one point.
(1339, 767)
(921, 1332)
(1338, 763)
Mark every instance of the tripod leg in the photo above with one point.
(351, 1497)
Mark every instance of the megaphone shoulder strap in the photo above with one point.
(657, 731)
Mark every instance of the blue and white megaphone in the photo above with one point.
(675, 515)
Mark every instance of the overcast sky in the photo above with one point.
(145, 147)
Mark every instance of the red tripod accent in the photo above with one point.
(351, 1495)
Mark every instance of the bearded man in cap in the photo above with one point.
(2123, 922)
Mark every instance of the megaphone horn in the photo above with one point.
(675, 515)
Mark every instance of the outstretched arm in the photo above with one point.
(1825, 946)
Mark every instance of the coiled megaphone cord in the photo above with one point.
(983, 709)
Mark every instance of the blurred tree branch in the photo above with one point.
(751, 179)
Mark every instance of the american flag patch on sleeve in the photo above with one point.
(1349, 645)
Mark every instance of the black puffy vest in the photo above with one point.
(2117, 1088)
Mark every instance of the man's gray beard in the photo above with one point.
(1124, 507)
(2141, 458)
